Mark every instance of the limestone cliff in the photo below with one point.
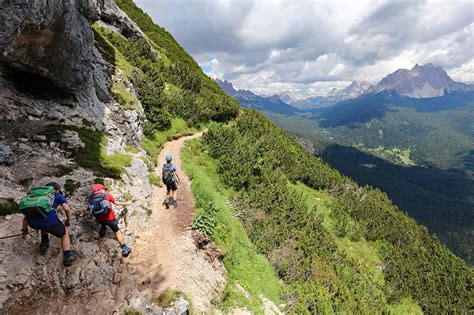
(54, 108)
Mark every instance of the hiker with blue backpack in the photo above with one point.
(170, 178)
(39, 208)
(100, 207)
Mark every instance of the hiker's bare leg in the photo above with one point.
(174, 195)
(65, 242)
(120, 237)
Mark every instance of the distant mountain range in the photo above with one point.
(426, 81)
(251, 100)
(333, 97)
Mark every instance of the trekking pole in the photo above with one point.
(14, 235)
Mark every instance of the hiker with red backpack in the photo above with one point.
(170, 178)
(40, 208)
(100, 207)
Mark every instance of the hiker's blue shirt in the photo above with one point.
(173, 167)
(39, 221)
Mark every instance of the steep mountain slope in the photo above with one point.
(339, 247)
(248, 99)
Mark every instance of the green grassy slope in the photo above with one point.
(216, 217)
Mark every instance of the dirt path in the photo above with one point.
(165, 255)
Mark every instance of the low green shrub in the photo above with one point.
(127, 196)
(8, 206)
(116, 163)
(166, 298)
(204, 223)
(70, 186)
(132, 149)
(154, 179)
(64, 170)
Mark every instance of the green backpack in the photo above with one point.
(38, 201)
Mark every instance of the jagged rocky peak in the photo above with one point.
(227, 86)
(353, 90)
(288, 97)
(419, 82)
(333, 92)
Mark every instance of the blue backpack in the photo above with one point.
(98, 205)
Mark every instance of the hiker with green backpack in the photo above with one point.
(40, 207)
(170, 178)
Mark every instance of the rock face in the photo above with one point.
(420, 82)
(5, 154)
(51, 75)
(352, 91)
(49, 38)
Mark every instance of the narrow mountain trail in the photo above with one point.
(165, 256)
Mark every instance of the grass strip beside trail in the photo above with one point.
(245, 266)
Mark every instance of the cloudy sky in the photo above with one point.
(308, 47)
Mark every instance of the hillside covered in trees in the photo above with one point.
(314, 246)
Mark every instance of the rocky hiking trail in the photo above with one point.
(166, 255)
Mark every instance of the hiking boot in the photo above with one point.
(175, 203)
(126, 250)
(43, 247)
(103, 230)
(68, 260)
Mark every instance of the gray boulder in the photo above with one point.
(6, 155)
(71, 140)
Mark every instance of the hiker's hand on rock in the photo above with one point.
(67, 222)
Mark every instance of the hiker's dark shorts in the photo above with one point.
(171, 187)
(113, 225)
(57, 229)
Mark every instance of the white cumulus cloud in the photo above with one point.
(308, 47)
